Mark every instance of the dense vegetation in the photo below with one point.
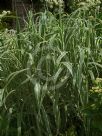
(51, 75)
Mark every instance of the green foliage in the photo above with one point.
(55, 5)
(4, 16)
(94, 108)
(46, 71)
(68, 5)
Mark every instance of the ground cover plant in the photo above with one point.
(48, 72)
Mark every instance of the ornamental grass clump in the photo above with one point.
(46, 72)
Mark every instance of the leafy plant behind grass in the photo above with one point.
(46, 71)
